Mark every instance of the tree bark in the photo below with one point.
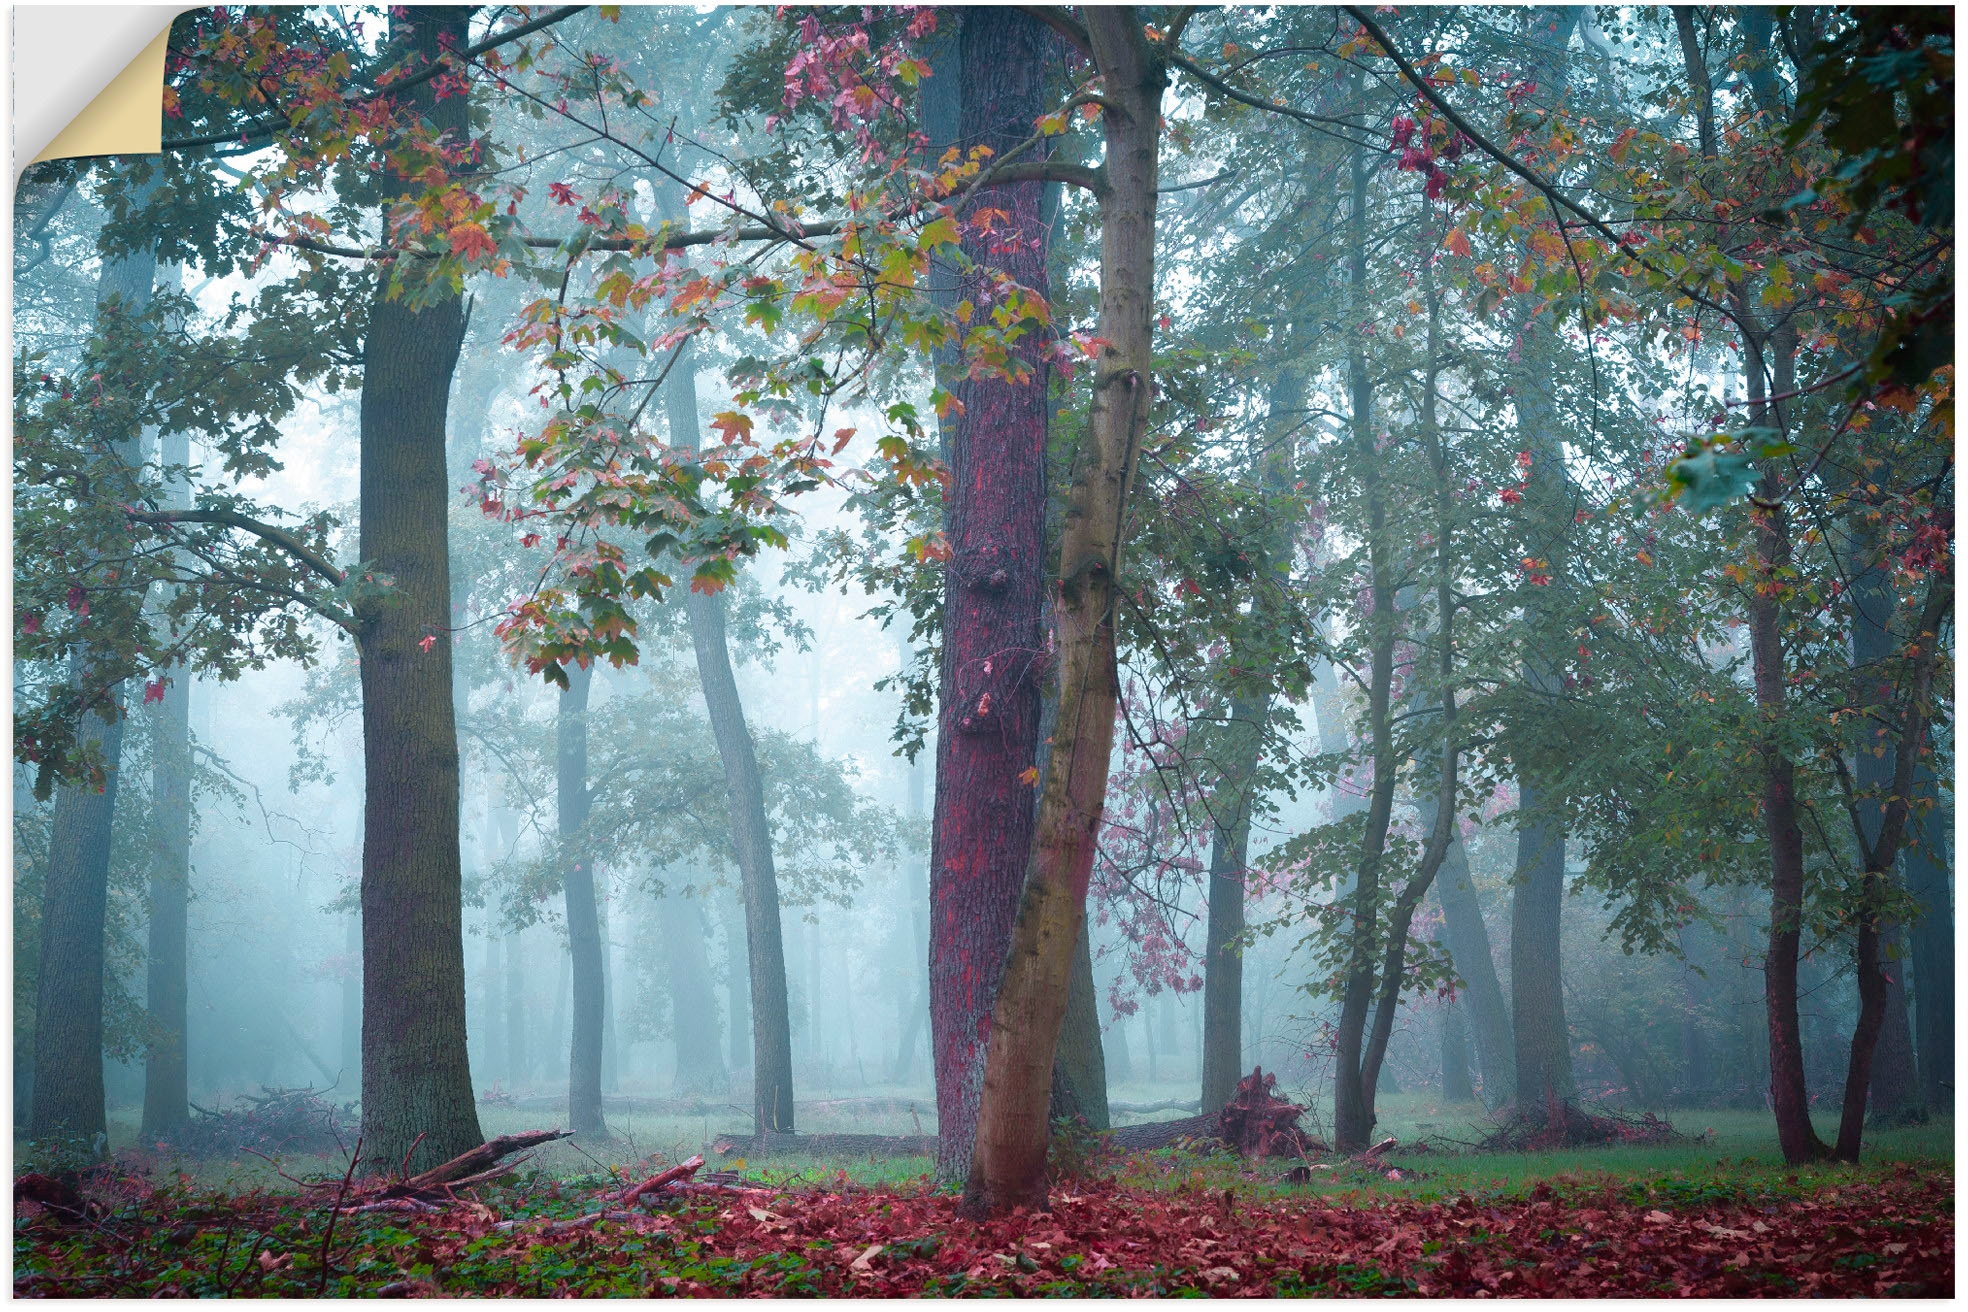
(987, 738)
(1456, 1087)
(1008, 1169)
(694, 1011)
(583, 914)
(68, 1009)
(1543, 1055)
(167, 1094)
(1223, 950)
(417, 1105)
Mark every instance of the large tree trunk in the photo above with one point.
(583, 915)
(416, 1073)
(68, 1009)
(1008, 1169)
(1928, 867)
(994, 604)
(167, 1094)
(694, 1010)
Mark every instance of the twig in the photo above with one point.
(403, 1171)
(328, 1236)
(681, 1171)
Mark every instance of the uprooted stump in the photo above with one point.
(1564, 1124)
(1255, 1123)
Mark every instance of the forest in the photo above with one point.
(1086, 650)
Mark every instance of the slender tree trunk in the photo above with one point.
(167, 1094)
(1082, 1063)
(1881, 857)
(1895, 1082)
(994, 604)
(694, 1015)
(417, 1105)
(1468, 940)
(1008, 1169)
(518, 1070)
(1352, 1101)
(1223, 951)
(583, 914)
(68, 1010)
(1789, 1097)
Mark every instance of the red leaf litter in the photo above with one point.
(1865, 1238)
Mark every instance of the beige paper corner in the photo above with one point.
(126, 117)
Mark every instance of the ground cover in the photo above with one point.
(1717, 1215)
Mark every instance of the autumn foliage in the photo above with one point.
(1891, 1236)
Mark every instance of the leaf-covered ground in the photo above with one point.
(1886, 1233)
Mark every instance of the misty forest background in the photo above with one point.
(196, 543)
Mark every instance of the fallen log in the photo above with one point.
(826, 1145)
(471, 1167)
(1148, 1108)
(1373, 1153)
(1202, 1130)
(681, 1171)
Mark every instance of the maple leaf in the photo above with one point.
(427, 642)
(153, 691)
(563, 194)
(471, 241)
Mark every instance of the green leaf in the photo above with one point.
(1706, 478)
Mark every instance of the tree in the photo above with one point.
(993, 609)
(68, 1016)
(583, 918)
(1008, 1169)
(417, 1102)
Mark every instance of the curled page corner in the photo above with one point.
(88, 80)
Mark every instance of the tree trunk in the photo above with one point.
(1543, 1056)
(1082, 1063)
(610, 1048)
(1008, 1169)
(1456, 1087)
(518, 1068)
(1895, 1083)
(583, 915)
(1468, 940)
(167, 1094)
(1929, 865)
(1881, 857)
(1223, 952)
(994, 603)
(694, 1011)
(1789, 1097)
(68, 1010)
(737, 984)
(772, 1035)
(417, 1105)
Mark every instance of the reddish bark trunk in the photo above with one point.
(1008, 1169)
(993, 608)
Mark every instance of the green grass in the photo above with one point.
(1736, 1154)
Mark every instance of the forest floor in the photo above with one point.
(1717, 1215)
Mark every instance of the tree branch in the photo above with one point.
(1555, 198)
(1061, 22)
(269, 533)
(260, 130)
